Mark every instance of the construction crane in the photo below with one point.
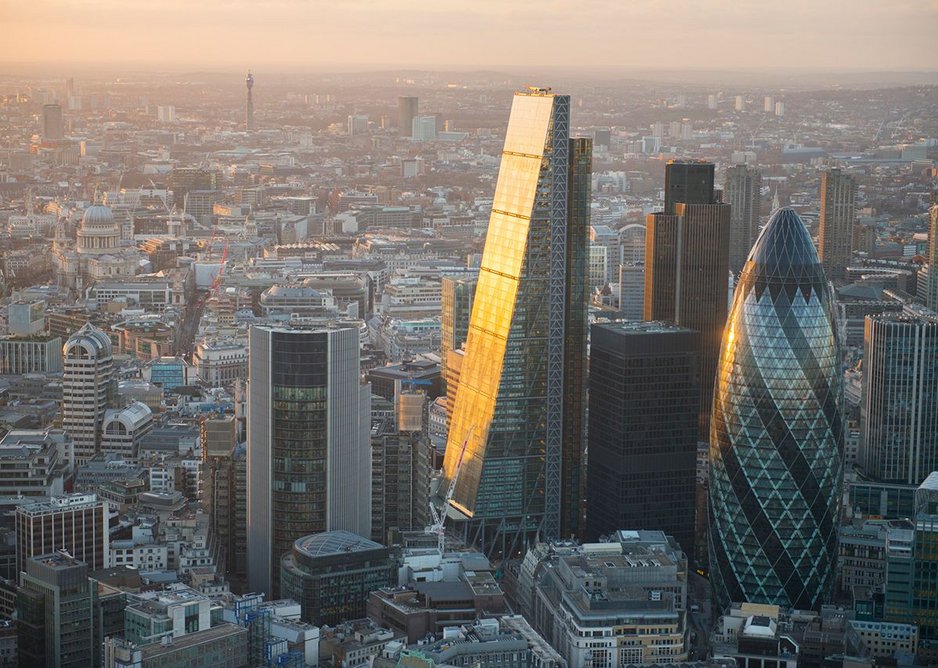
(438, 517)
(221, 269)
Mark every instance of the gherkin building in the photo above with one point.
(776, 437)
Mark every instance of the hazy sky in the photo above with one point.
(608, 34)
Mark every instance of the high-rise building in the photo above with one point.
(86, 388)
(357, 125)
(54, 620)
(309, 455)
(519, 405)
(777, 429)
(838, 214)
(768, 104)
(899, 406)
(740, 103)
(53, 128)
(931, 293)
(423, 128)
(406, 112)
(249, 110)
(911, 587)
(224, 477)
(743, 192)
(687, 264)
(632, 290)
(687, 183)
(76, 523)
(642, 429)
(456, 298)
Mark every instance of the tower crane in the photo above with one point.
(438, 517)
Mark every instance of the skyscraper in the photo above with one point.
(456, 299)
(519, 405)
(406, 112)
(53, 128)
(642, 429)
(86, 387)
(931, 294)
(309, 458)
(899, 407)
(743, 192)
(687, 265)
(249, 117)
(777, 430)
(838, 213)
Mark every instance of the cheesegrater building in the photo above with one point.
(776, 439)
(519, 406)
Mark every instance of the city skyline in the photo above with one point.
(480, 34)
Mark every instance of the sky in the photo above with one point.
(316, 35)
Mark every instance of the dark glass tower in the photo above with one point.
(309, 454)
(519, 404)
(776, 440)
(687, 266)
(743, 192)
(642, 429)
(406, 112)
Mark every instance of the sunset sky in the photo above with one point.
(607, 34)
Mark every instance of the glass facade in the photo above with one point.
(776, 440)
(509, 406)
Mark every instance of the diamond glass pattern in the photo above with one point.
(776, 438)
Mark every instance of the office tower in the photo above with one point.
(768, 104)
(899, 406)
(400, 469)
(740, 103)
(423, 128)
(777, 430)
(54, 620)
(519, 401)
(53, 128)
(632, 244)
(711, 102)
(309, 460)
(224, 479)
(838, 213)
(166, 113)
(357, 125)
(86, 388)
(686, 266)
(76, 523)
(743, 192)
(687, 183)
(249, 116)
(406, 112)
(931, 293)
(643, 398)
(779, 108)
(632, 290)
(457, 295)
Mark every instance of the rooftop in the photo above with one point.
(334, 542)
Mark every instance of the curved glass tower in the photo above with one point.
(776, 438)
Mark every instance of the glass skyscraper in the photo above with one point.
(776, 439)
(309, 454)
(519, 405)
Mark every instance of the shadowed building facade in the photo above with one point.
(642, 463)
(776, 442)
(687, 266)
(838, 214)
(743, 192)
(519, 405)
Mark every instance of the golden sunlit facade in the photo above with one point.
(509, 407)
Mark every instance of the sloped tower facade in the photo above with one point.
(776, 437)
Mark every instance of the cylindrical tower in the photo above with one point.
(776, 438)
